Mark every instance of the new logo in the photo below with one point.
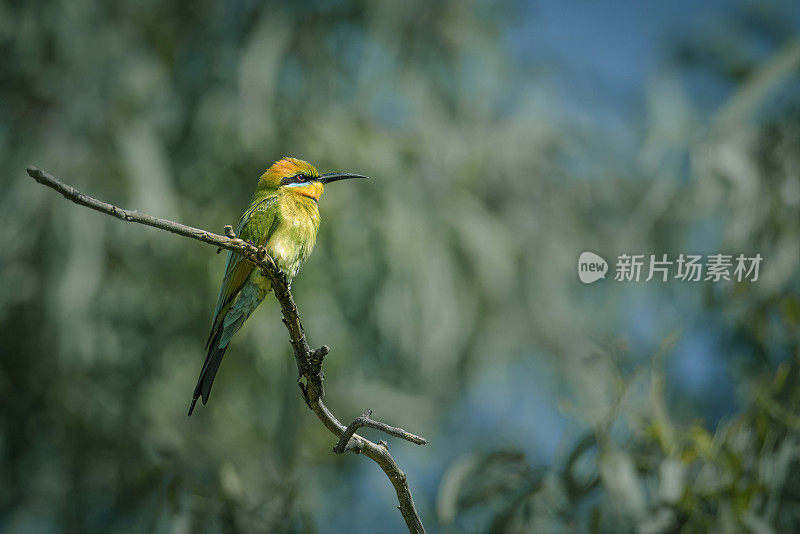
(591, 267)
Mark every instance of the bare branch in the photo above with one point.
(309, 362)
(365, 420)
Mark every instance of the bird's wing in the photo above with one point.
(255, 230)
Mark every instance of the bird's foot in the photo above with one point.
(282, 278)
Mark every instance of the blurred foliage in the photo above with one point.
(446, 286)
(640, 472)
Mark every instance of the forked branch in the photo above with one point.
(309, 362)
(345, 443)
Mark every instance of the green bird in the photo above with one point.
(284, 217)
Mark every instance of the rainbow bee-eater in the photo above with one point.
(283, 216)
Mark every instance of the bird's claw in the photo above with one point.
(282, 278)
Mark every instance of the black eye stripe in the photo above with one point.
(296, 179)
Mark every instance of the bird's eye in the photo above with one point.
(301, 177)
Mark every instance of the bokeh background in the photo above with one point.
(503, 139)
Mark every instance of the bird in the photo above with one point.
(283, 216)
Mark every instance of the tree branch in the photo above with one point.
(364, 420)
(309, 362)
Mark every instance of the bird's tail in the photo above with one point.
(213, 359)
(226, 323)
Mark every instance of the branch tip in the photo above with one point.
(365, 421)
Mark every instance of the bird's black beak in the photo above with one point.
(334, 176)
